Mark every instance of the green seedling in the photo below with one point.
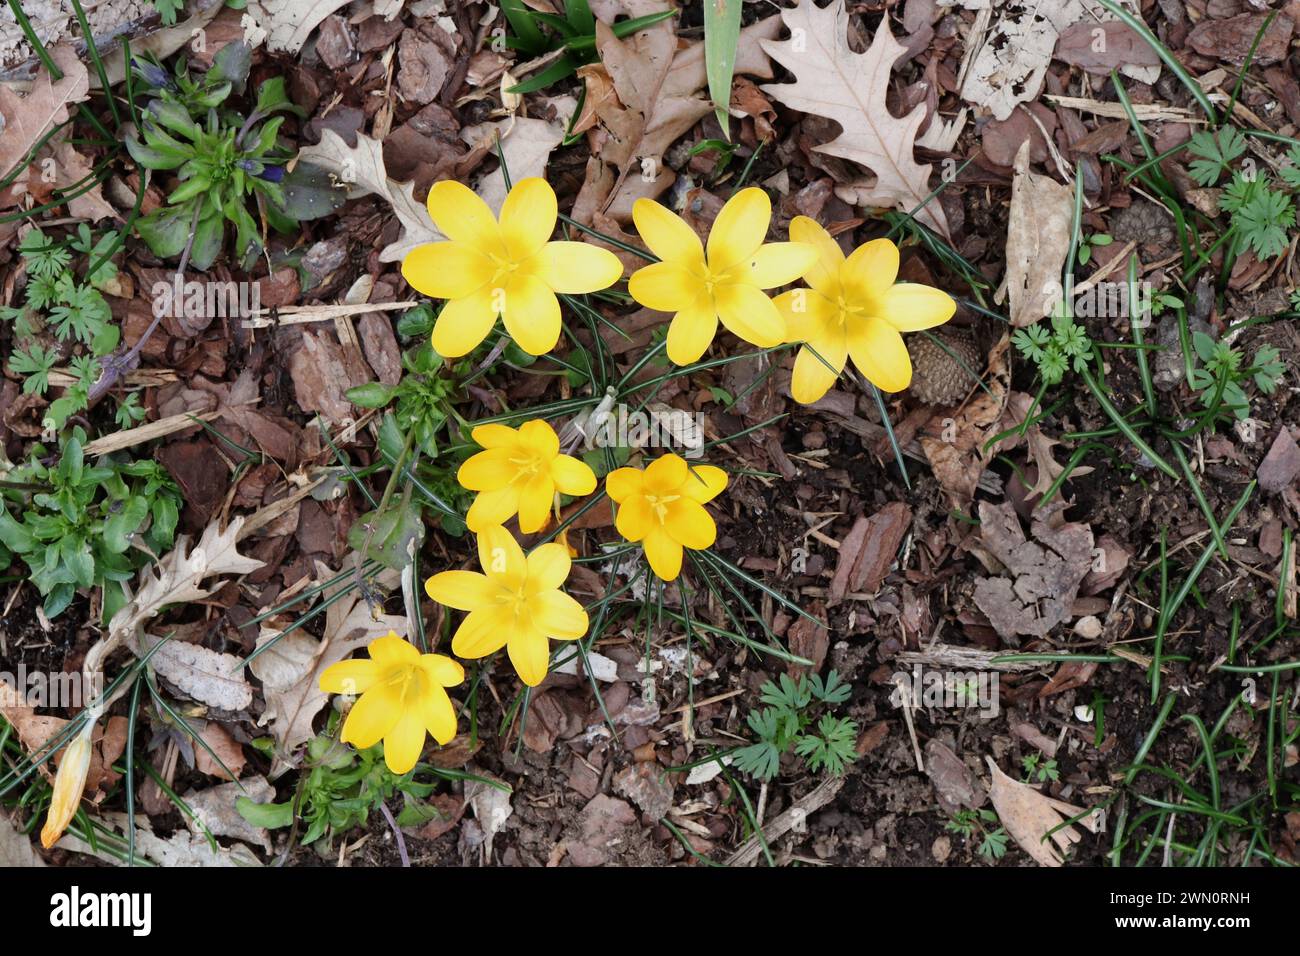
(785, 724)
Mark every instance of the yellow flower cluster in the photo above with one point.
(508, 267)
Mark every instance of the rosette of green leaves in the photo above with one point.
(81, 525)
(223, 162)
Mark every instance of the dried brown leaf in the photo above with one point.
(849, 88)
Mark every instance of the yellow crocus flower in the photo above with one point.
(854, 307)
(723, 282)
(663, 508)
(516, 603)
(519, 472)
(402, 695)
(507, 267)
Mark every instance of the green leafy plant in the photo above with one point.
(1055, 349)
(976, 823)
(81, 525)
(344, 786)
(1262, 217)
(63, 315)
(1221, 376)
(1090, 243)
(1036, 768)
(167, 10)
(1215, 151)
(792, 708)
(422, 400)
(222, 160)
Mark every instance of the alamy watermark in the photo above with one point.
(57, 689)
(947, 689)
(618, 426)
(209, 299)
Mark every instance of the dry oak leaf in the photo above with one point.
(849, 88)
(24, 119)
(1011, 59)
(654, 101)
(290, 670)
(1029, 815)
(1038, 239)
(178, 579)
(361, 170)
(182, 848)
(16, 848)
(205, 675)
(1046, 571)
(285, 25)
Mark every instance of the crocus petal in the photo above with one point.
(879, 353)
(808, 314)
(817, 366)
(622, 483)
(823, 275)
(404, 743)
(573, 476)
(442, 670)
(665, 233)
(349, 677)
(665, 286)
(633, 518)
(663, 553)
(557, 615)
(692, 330)
(704, 482)
(548, 567)
(911, 307)
(780, 263)
(494, 435)
(536, 497)
(665, 475)
(500, 556)
(463, 590)
(482, 633)
(539, 438)
(747, 312)
(491, 508)
(446, 270)
(462, 216)
(464, 323)
(439, 715)
(690, 525)
(532, 315)
(530, 652)
(577, 267)
(528, 217)
(373, 716)
(871, 269)
(489, 470)
(390, 650)
(740, 228)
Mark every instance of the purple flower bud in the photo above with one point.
(154, 75)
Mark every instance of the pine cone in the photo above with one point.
(937, 377)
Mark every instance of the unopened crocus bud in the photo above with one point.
(69, 784)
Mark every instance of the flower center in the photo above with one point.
(505, 268)
(527, 464)
(659, 505)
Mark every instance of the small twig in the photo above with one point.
(117, 366)
(397, 834)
